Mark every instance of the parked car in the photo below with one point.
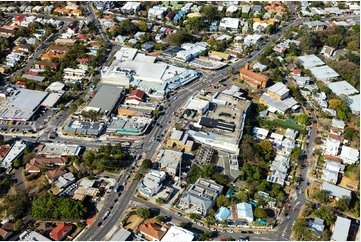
(99, 224)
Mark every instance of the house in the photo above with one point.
(291, 133)
(341, 229)
(157, 12)
(353, 102)
(349, 155)
(120, 39)
(170, 161)
(201, 196)
(332, 146)
(278, 91)
(336, 191)
(296, 72)
(135, 97)
(149, 46)
(169, 17)
(327, 51)
(5, 234)
(316, 225)
(279, 170)
(331, 170)
(152, 231)
(64, 180)
(229, 24)
(342, 88)
(218, 56)
(258, 66)
(53, 175)
(180, 139)
(310, 61)
(7, 32)
(222, 214)
(242, 213)
(338, 124)
(60, 231)
(260, 133)
(252, 78)
(46, 64)
(324, 73)
(275, 105)
(32, 236)
(19, 19)
(315, 25)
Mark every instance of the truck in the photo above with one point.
(116, 187)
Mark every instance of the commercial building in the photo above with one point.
(178, 234)
(151, 183)
(341, 229)
(201, 106)
(275, 105)
(15, 151)
(85, 128)
(21, 104)
(106, 99)
(254, 79)
(135, 97)
(32, 236)
(278, 91)
(310, 61)
(201, 196)
(324, 73)
(170, 161)
(58, 150)
(342, 88)
(180, 139)
(222, 126)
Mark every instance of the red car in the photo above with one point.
(223, 239)
(99, 224)
(111, 207)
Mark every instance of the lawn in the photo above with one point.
(288, 124)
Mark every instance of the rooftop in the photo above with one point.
(342, 88)
(178, 234)
(310, 61)
(341, 229)
(106, 98)
(279, 89)
(324, 73)
(336, 191)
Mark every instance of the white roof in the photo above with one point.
(244, 210)
(342, 87)
(126, 54)
(279, 88)
(55, 87)
(277, 136)
(169, 158)
(354, 103)
(338, 123)
(351, 154)
(196, 104)
(332, 146)
(324, 72)
(260, 131)
(341, 229)
(16, 150)
(175, 234)
(232, 23)
(310, 61)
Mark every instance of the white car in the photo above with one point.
(230, 231)
(257, 232)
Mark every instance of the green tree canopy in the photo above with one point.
(208, 170)
(16, 205)
(144, 213)
(49, 206)
(321, 196)
(343, 204)
(147, 164)
(260, 213)
(222, 201)
(303, 119)
(326, 214)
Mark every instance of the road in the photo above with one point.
(39, 51)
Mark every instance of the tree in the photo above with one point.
(206, 235)
(18, 224)
(49, 206)
(155, 112)
(144, 213)
(343, 204)
(268, 50)
(296, 153)
(266, 149)
(147, 164)
(194, 216)
(321, 196)
(222, 201)
(17, 163)
(334, 103)
(159, 200)
(142, 25)
(303, 119)
(16, 205)
(326, 235)
(208, 170)
(242, 196)
(260, 213)
(326, 214)
(195, 24)
(160, 219)
(349, 133)
(180, 37)
(326, 90)
(301, 230)
(2, 139)
(138, 176)
(210, 12)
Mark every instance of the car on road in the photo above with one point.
(257, 232)
(116, 200)
(97, 141)
(230, 231)
(99, 224)
(111, 207)
(222, 231)
(178, 214)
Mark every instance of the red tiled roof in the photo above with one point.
(60, 231)
(83, 60)
(20, 83)
(253, 75)
(3, 233)
(3, 150)
(33, 73)
(54, 173)
(19, 18)
(137, 93)
(333, 158)
(335, 137)
(153, 230)
(296, 71)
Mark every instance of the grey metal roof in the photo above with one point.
(341, 229)
(121, 235)
(106, 97)
(336, 191)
